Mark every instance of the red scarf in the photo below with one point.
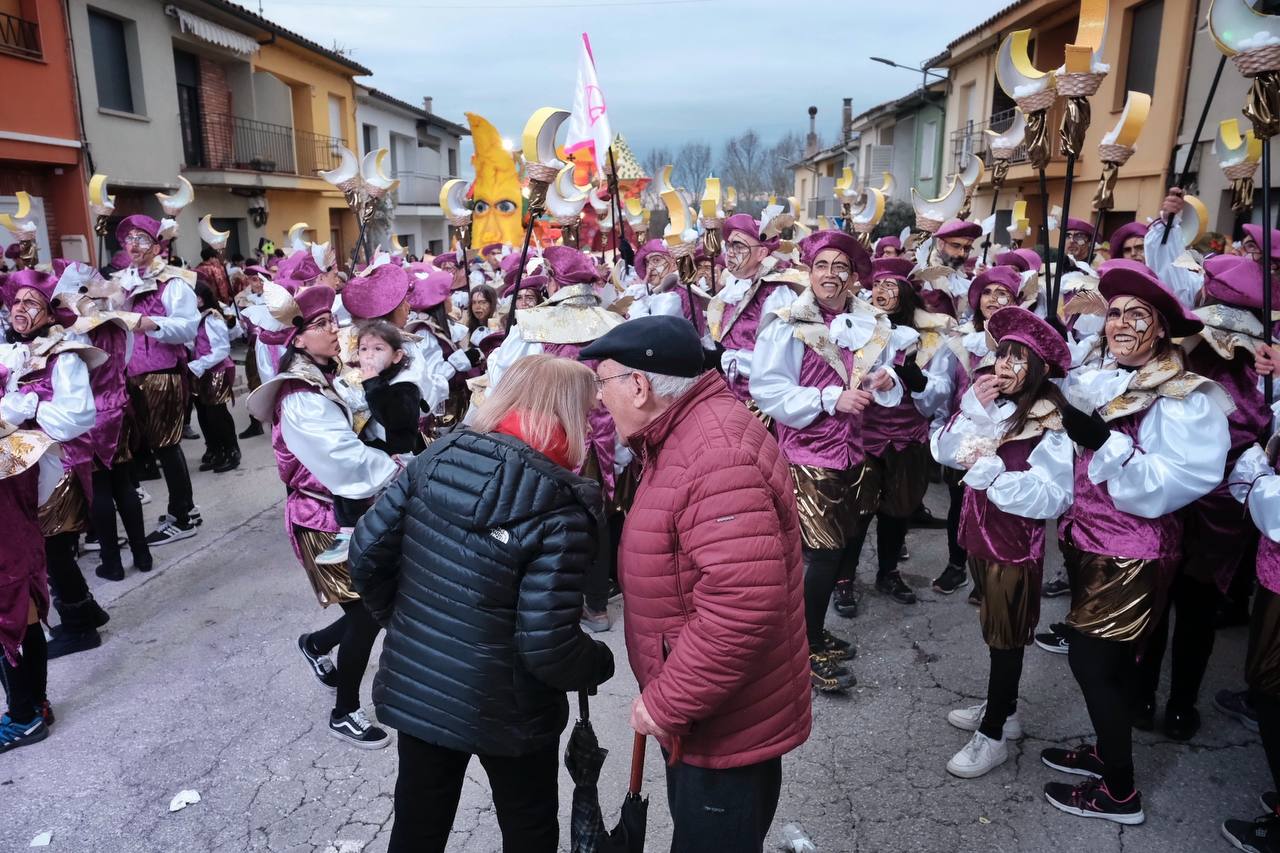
(557, 449)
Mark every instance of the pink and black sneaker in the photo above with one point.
(1092, 799)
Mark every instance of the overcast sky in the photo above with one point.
(673, 70)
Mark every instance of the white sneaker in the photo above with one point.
(335, 554)
(979, 756)
(143, 497)
(969, 719)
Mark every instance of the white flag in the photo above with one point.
(589, 122)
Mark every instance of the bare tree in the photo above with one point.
(744, 164)
(780, 168)
(692, 167)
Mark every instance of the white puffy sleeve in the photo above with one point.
(429, 371)
(316, 431)
(181, 320)
(665, 304)
(1255, 483)
(1046, 488)
(934, 401)
(70, 412)
(974, 429)
(513, 348)
(219, 345)
(1179, 457)
(1161, 257)
(775, 380)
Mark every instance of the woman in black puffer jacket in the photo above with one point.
(474, 561)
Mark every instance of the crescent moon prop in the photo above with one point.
(845, 190)
(1236, 27)
(972, 172)
(711, 200)
(680, 219)
(872, 211)
(100, 203)
(215, 238)
(664, 179)
(538, 141)
(173, 204)
(942, 209)
(397, 248)
(1011, 137)
(297, 237)
(10, 221)
(564, 198)
(371, 172)
(347, 174)
(731, 198)
(1194, 219)
(889, 184)
(1137, 106)
(1234, 148)
(1014, 71)
(1092, 29)
(453, 199)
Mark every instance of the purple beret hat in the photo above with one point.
(1080, 225)
(1019, 324)
(843, 243)
(377, 293)
(138, 222)
(1123, 233)
(885, 242)
(569, 266)
(299, 267)
(746, 224)
(1255, 232)
(1236, 280)
(428, 291)
(652, 247)
(1121, 277)
(959, 228)
(891, 267)
(1007, 277)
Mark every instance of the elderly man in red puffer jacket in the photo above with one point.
(713, 582)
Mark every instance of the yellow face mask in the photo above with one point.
(496, 192)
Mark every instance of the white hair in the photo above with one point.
(669, 387)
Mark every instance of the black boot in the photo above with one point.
(229, 462)
(254, 428)
(891, 584)
(846, 599)
(211, 460)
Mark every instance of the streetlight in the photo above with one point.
(923, 69)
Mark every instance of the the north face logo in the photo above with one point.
(501, 535)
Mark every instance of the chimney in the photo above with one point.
(811, 141)
(846, 120)
(426, 103)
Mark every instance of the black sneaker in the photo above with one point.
(355, 729)
(171, 531)
(321, 665)
(229, 462)
(193, 516)
(73, 642)
(924, 518)
(846, 599)
(110, 573)
(1056, 587)
(210, 461)
(253, 429)
(1181, 723)
(1081, 761)
(892, 585)
(837, 649)
(953, 577)
(1055, 641)
(827, 676)
(1254, 836)
(14, 734)
(1235, 703)
(1092, 799)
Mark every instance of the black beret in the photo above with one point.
(659, 344)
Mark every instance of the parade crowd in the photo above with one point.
(479, 450)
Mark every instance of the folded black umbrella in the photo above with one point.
(584, 758)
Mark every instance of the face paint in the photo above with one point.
(993, 298)
(885, 295)
(1011, 369)
(29, 312)
(1132, 331)
(829, 277)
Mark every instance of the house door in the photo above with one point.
(187, 69)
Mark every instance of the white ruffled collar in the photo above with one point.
(853, 331)
(733, 292)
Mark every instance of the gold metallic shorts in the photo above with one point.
(332, 584)
(1262, 663)
(67, 509)
(830, 504)
(214, 388)
(899, 478)
(160, 407)
(1114, 598)
(1010, 601)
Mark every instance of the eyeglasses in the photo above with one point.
(737, 248)
(1077, 237)
(600, 380)
(325, 322)
(142, 241)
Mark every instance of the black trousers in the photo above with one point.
(178, 479)
(218, 427)
(727, 810)
(114, 491)
(25, 685)
(353, 633)
(1106, 672)
(956, 555)
(71, 597)
(429, 784)
(1196, 605)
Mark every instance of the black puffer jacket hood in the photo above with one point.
(474, 561)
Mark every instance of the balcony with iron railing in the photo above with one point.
(973, 138)
(419, 188)
(231, 142)
(19, 36)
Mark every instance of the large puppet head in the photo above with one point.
(496, 194)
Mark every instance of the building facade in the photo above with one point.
(423, 153)
(41, 148)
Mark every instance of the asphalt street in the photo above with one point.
(199, 685)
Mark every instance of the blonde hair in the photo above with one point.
(547, 391)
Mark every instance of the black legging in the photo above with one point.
(1193, 634)
(219, 428)
(71, 596)
(1002, 690)
(1268, 709)
(353, 633)
(26, 684)
(178, 479)
(1105, 671)
(891, 535)
(820, 569)
(114, 490)
(956, 555)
